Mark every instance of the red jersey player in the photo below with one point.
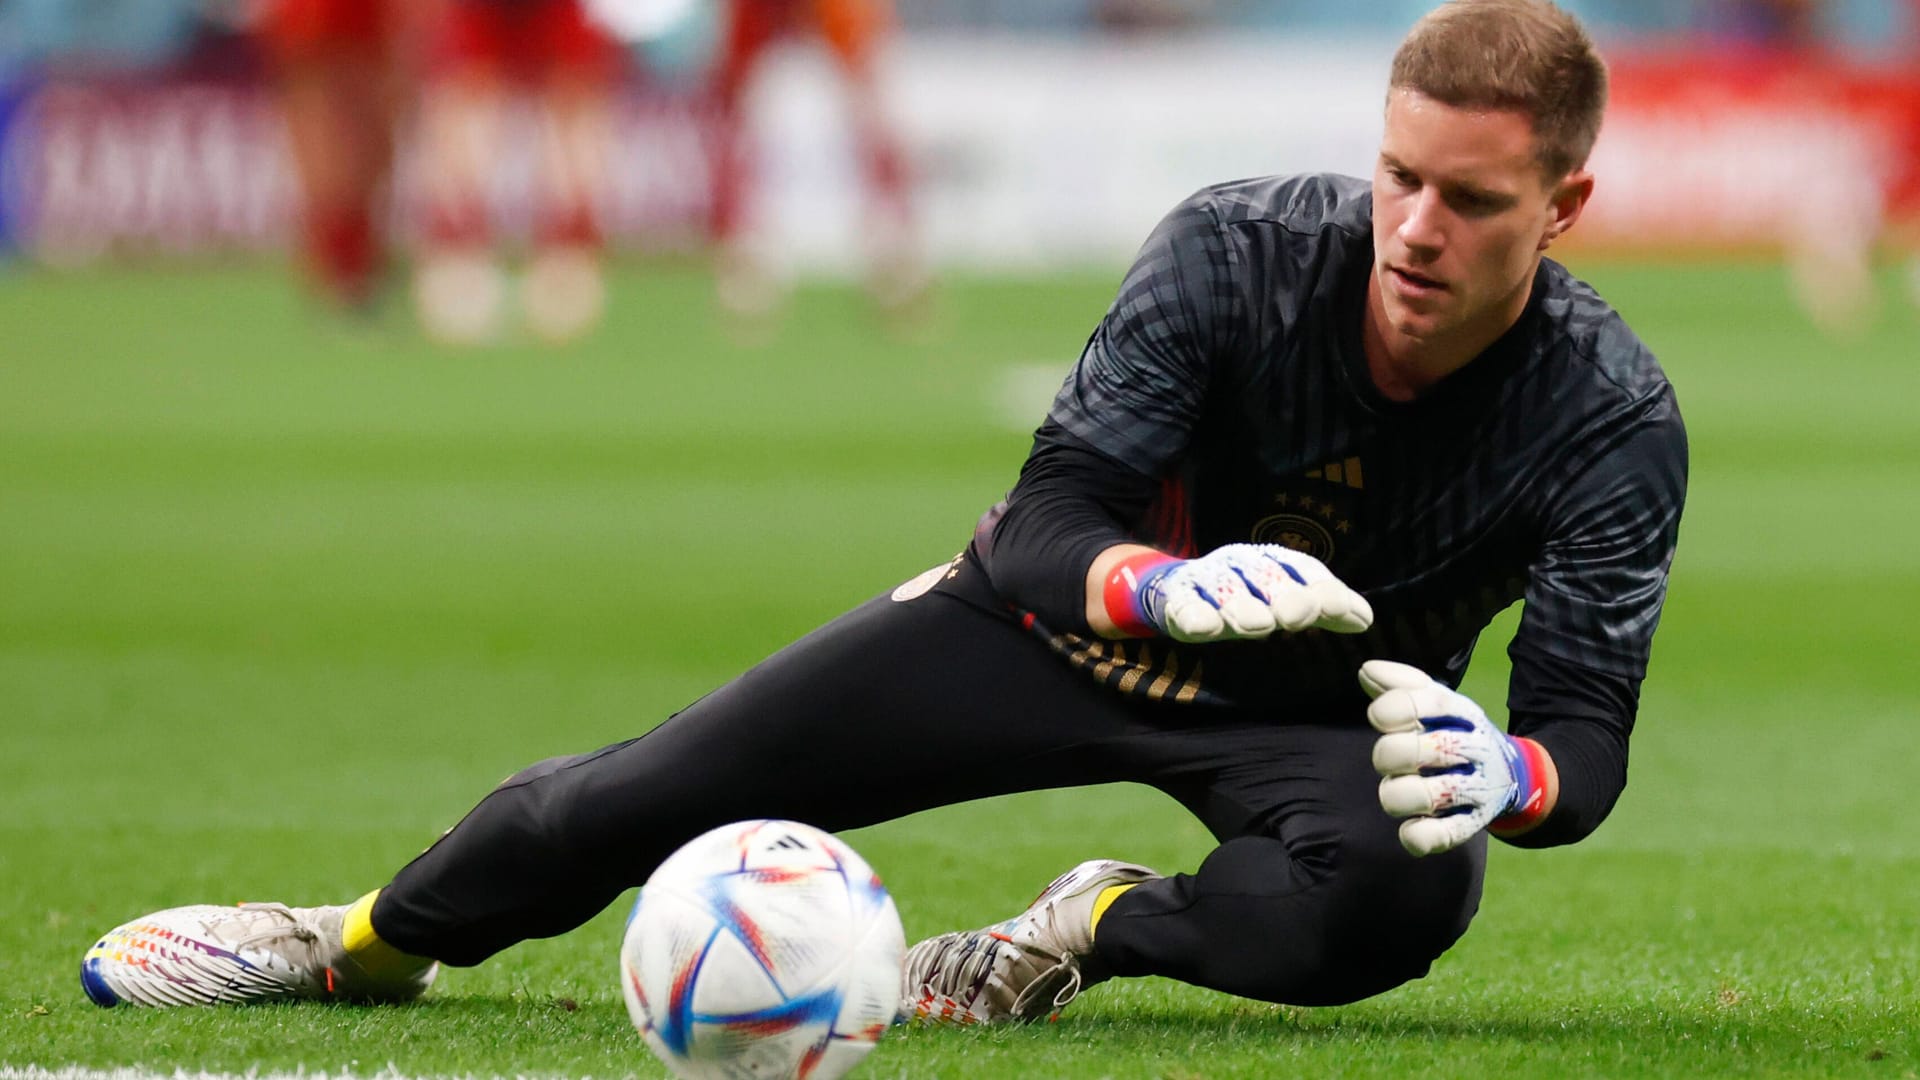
(341, 68)
(482, 53)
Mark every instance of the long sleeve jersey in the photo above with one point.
(1225, 398)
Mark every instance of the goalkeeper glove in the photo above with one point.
(1448, 771)
(1237, 591)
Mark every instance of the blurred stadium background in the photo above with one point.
(284, 587)
(1039, 134)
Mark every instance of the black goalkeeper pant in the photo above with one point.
(898, 707)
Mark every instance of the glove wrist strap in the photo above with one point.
(1121, 594)
(1530, 801)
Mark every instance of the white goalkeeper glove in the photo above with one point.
(1448, 771)
(1236, 591)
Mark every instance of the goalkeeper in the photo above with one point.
(1329, 429)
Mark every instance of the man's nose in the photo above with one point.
(1423, 230)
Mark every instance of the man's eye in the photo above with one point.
(1468, 203)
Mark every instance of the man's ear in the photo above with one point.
(1570, 197)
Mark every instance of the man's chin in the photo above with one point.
(1416, 326)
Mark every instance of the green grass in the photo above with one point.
(278, 601)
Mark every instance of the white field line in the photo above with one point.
(135, 1073)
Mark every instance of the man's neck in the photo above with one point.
(1403, 367)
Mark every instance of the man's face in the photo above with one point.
(1461, 211)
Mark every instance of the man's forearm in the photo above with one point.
(1068, 508)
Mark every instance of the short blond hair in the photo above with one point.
(1526, 55)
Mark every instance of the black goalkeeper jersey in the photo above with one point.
(1225, 398)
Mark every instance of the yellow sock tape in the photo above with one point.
(366, 948)
(1104, 901)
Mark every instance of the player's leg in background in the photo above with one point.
(563, 294)
(459, 288)
(856, 31)
(334, 70)
(1903, 235)
(1830, 255)
(1910, 253)
(1309, 899)
(930, 700)
(746, 287)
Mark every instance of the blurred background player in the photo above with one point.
(1831, 256)
(855, 32)
(342, 68)
(1906, 196)
(1789, 23)
(485, 54)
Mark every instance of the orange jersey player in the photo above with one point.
(854, 32)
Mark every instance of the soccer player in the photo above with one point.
(486, 51)
(1328, 429)
(341, 68)
(855, 32)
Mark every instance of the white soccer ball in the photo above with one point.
(762, 949)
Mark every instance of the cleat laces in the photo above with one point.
(982, 976)
(1026, 968)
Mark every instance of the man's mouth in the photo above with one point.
(1414, 282)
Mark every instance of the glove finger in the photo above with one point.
(1246, 616)
(1394, 710)
(1397, 754)
(1191, 618)
(1423, 836)
(1379, 676)
(1407, 752)
(1441, 709)
(1293, 607)
(1301, 590)
(1408, 796)
(1342, 610)
(1263, 577)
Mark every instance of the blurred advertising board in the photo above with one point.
(13, 93)
(144, 166)
(1027, 153)
(1753, 149)
(128, 166)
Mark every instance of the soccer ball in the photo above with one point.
(762, 949)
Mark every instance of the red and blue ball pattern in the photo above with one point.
(763, 949)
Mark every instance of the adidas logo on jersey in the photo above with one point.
(1339, 472)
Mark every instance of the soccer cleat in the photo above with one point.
(212, 955)
(1027, 968)
(459, 297)
(563, 294)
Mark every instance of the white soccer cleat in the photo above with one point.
(1027, 968)
(563, 294)
(459, 297)
(212, 955)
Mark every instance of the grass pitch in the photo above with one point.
(278, 602)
